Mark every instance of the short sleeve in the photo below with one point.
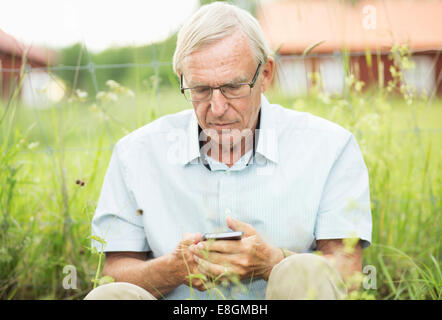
(116, 219)
(345, 210)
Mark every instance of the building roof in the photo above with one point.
(297, 24)
(35, 54)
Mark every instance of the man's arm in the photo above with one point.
(346, 259)
(158, 276)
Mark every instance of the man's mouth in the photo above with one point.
(222, 125)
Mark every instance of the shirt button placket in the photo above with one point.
(224, 196)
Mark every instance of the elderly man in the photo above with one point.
(296, 185)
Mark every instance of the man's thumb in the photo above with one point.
(237, 225)
(191, 238)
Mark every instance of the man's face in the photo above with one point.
(228, 61)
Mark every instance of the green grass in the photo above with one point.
(45, 216)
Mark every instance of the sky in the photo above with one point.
(98, 23)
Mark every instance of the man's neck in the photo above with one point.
(233, 152)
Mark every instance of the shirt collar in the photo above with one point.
(267, 142)
(268, 133)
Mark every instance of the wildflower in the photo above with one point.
(130, 93)
(33, 145)
(112, 96)
(369, 122)
(393, 71)
(106, 96)
(350, 80)
(359, 85)
(324, 97)
(100, 95)
(82, 95)
(112, 84)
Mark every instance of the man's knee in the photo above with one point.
(305, 276)
(119, 291)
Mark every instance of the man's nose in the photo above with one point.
(218, 103)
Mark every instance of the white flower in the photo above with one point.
(130, 93)
(112, 96)
(325, 98)
(106, 96)
(82, 95)
(100, 95)
(112, 84)
(33, 145)
(359, 85)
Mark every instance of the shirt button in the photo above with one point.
(228, 212)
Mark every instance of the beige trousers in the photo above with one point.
(297, 277)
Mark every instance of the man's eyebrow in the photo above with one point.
(233, 81)
(237, 80)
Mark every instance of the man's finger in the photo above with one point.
(214, 257)
(237, 225)
(211, 269)
(222, 246)
(197, 237)
(191, 238)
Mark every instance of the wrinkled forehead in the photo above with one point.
(230, 59)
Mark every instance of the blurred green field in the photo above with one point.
(45, 215)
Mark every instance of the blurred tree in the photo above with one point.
(131, 76)
(134, 77)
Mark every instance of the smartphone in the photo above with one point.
(231, 235)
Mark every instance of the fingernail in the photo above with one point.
(196, 259)
(192, 247)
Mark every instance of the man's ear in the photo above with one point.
(267, 73)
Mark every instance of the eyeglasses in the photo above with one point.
(229, 91)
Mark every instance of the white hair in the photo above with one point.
(214, 22)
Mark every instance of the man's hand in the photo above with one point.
(249, 257)
(189, 266)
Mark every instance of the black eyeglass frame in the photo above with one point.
(251, 84)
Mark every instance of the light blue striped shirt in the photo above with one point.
(307, 181)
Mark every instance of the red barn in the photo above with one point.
(12, 55)
(367, 29)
